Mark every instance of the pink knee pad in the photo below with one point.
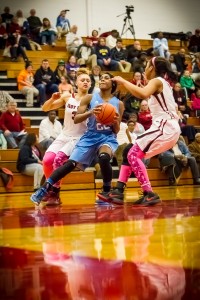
(48, 160)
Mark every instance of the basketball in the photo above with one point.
(107, 114)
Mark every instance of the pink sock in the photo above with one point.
(125, 173)
(59, 160)
(135, 156)
(48, 160)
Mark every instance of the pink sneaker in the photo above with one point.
(52, 199)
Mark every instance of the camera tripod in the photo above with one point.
(128, 26)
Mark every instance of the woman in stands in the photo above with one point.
(164, 131)
(59, 151)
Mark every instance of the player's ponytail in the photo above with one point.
(163, 68)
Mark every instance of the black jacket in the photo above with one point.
(25, 157)
(42, 75)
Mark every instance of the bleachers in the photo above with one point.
(77, 179)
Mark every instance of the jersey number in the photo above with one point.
(102, 127)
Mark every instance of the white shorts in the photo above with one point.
(64, 144)
(160, 137)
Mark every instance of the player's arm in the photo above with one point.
(153, 86)
(118, 118)
(56, 101)
(82, 112)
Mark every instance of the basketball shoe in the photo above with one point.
(103, 196)
(148, 198)
(38, 195)
(116, 197)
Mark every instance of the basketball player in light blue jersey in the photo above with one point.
(98, 140)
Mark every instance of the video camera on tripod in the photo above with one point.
(129, 9)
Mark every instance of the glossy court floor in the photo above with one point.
(81, 251)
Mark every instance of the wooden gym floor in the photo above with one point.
(81, 251)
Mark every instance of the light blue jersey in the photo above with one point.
(96, 136)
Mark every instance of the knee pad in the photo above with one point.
(104, 158)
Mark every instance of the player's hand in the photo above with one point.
(97, 109)
(116, 118)
(118, 79)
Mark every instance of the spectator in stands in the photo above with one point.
(195, 98)
(160, 46)
(60, 71)
(144, 115)
(86, 55)
(65, 85)
(119, 54)
(104, 59)
(196, 69)
(35, 25)
(131, 103)
(45, 81)
(179, 60)
(172, 64)
(95, 79)
(73, 41)
(25, 81)
(62, 24)
(134, 126)
(173, 161)
(5, 97)
(140, 64)
(7, 17)
(194, 42)
(3, 34)
(111, 39)
(12, 125)
(187, 82)
(181, 99)
(138, 79)
(187, 131)
(72, 64)
(29, 160)
(72, 76)
(47, 33)
(49, 130)
(23, 23)
(3, 142)
(133, 51)
(194, 149)
(94, 37)
(15, 30)
(15, 48)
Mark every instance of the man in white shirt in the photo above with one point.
(111, 39)
(73, 41)
(49, 129)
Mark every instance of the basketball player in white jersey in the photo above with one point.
(161, 136)
(60, 150)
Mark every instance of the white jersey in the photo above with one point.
(71, 129)
(162, 105)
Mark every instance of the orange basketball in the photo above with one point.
(107, 114)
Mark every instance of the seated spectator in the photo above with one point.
(194, 42)
(35, 25)
(195, 98)
(181, 100)
(86, 55)
(95, 78)
(72, 64)
(5, 97)
(72, 79)
(134, 126)
(120, 55)
(23, 23)
(104, 59)
(12, 125)
(6, 17)
(65, 85)
(174, 160)
(3, 34)
(195, 73)
(138, 79)
(60, 71)
(15, 29)
(172, 64)
(160, 46)
(25, 81)
(49, 130)
(187, 82)
(15, 47)
(187, 131)
(47, 33)
(44, 81)
(131, 103)
(73, 41)
(180, 62)
(29, 160)
(140, 64)
(62, 24)
(111, 39)
(194, 149)
(94, 37)
(144, 115)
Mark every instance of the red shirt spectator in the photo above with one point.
(144, 115)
